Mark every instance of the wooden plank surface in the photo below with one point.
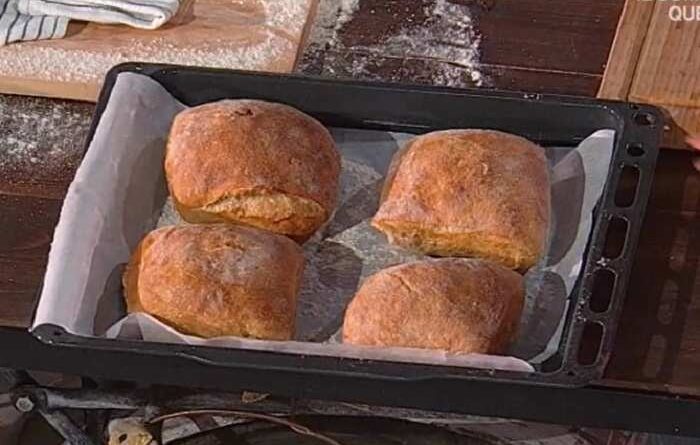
(667, 72)
(655, 59)
(23, 253)
(527, 45)
(669, 62)
(41, 143)
(629, 39)
(262, 35)
(541, 45)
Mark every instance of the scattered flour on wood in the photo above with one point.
(346, 12)
(45, 63)
(40, 135)
(447, 35)
(287, 15)
(331, 16)
(267, 43)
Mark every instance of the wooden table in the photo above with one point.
(528, 45)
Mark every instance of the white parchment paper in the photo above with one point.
(119, 195)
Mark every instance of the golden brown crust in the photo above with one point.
(453, 304)
(258, 163)
(469, 193)
(217, 280)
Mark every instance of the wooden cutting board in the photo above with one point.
(260, 35)
(656, 59)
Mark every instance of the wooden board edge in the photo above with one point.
(32, 87)
(306, 32)
(627, 45)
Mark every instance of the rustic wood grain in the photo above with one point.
(656, 60)
(629, 39)
(682, 122)
(667, 73)
(669, 62)
(515, 78)
(358, 49)
(572, 37)
(527, 45)
(41, 144)
(28, 225)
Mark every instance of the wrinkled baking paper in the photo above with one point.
(119, 194)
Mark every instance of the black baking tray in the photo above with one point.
(591, 320)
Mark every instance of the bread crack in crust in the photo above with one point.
(469, 193)
(251, 162)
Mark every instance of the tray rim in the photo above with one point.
(622, 112)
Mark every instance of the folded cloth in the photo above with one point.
(48, 19)
(15, 26)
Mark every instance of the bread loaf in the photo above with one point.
(257, 163)
(452, 304)
(469, 193)
(217, 280)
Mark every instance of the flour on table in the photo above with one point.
(448, 35)
(346, 13)
(268, 42)
(331, 16)
(443, 35)
(41, 139)
(283, 14)
(45, 63)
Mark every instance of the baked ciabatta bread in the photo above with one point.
(469, 193)
(216, 280)
(251, 162)
(453, 304)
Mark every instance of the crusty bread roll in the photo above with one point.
(457, 305)
(257, 163)
(468, 193)
(215, 280)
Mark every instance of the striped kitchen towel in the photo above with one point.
(15, 26)
(48, 19)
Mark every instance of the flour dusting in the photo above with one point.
(169, 216)
(46, 63)
(268, 43)
(448, 36)
(331, 16)
(41, 139)
(436, 43)
(286, 15)
(346, 12)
